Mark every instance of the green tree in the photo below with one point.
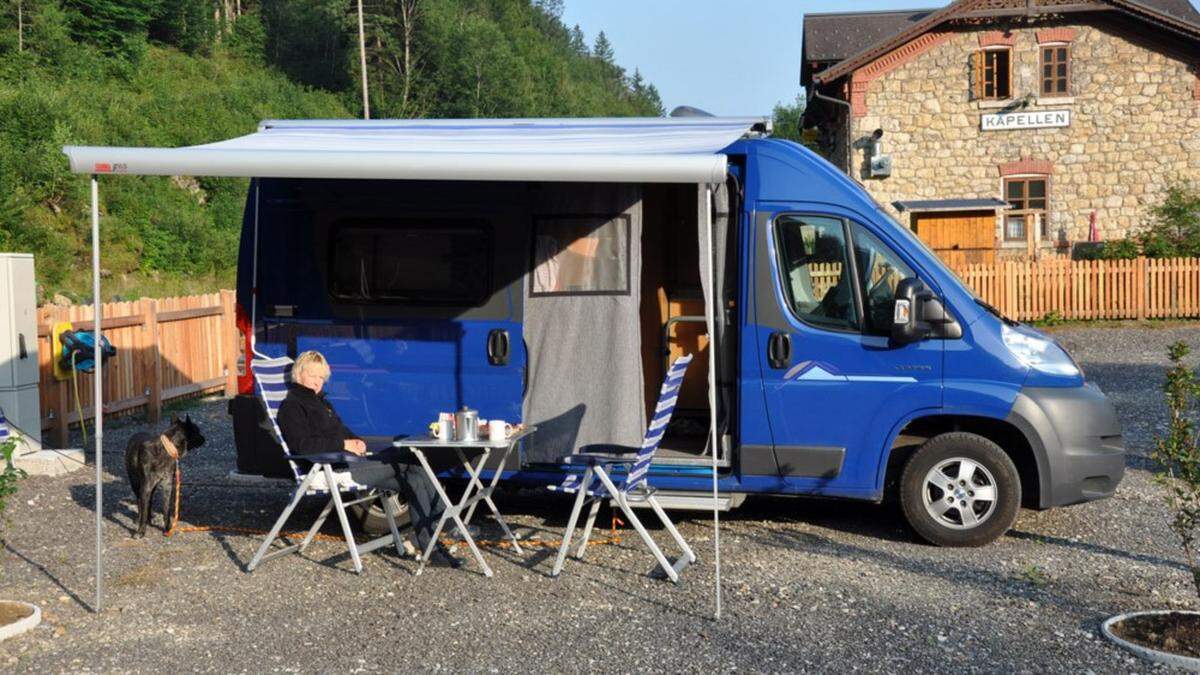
(187, 24)
(579, 42)
(310, 41)
(603, 49)
(115, 26)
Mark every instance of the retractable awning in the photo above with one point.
(645, 150)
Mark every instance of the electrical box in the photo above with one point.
(881, 166)
(19, 374)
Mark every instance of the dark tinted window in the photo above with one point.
(418, 262)
(817, 282)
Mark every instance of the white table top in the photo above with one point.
(424, 442)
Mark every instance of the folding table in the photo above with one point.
(475, 492)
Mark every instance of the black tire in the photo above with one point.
(370, 518)
(952, 454)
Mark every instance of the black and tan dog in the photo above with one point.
(151, 462)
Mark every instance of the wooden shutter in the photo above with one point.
(977, 74)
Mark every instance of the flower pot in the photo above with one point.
(1116, 629)
(17, 617)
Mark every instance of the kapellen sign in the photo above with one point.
(1041, 119)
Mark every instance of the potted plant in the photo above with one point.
(15, 617)
(1173, 636)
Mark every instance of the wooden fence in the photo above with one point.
(1142, 288)
(166, 349)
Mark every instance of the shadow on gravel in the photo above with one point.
(1095, 548)
(49, 575)
(946, 569)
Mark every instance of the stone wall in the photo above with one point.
(1135, 126)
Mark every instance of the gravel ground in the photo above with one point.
(809, 585)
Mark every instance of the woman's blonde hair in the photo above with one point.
(310, 359)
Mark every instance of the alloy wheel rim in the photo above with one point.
(959, 493)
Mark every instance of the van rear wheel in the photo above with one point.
(960, 489)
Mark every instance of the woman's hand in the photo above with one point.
(355, 446)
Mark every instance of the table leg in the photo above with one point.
(486, 496)
(451, 512)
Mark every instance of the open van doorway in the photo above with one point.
(673, 319)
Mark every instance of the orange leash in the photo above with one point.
(613, 537)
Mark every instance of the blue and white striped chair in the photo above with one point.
(4, 433)
(271, 374)
(596, 484)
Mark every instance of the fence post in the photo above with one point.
(153, 359)
(1143, 287)
(229, 341)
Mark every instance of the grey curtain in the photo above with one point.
(723, 296)
(584, 345)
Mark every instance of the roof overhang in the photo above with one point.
(934, 205)
(989, 9)
(648, 150)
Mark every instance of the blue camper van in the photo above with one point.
(845, 359)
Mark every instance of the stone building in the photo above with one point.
(997, 128)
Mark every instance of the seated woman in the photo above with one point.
(311, 426)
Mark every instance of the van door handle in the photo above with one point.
(779, 350)
(21, 341)
(498, 347)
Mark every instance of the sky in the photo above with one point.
(729, 58)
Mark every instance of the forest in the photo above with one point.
(181, 72)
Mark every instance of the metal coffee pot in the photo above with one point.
(466, 425)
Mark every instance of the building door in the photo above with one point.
(959, 237)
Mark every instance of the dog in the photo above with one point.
(150, 462)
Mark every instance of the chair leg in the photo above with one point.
(637, 525)
(580, 497)
(299, 494)
(341, 512)
(679, 540)
(587, 529)
(316, 526)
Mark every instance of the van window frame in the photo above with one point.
(854, 282)
(410, 223)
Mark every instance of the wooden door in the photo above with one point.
(959, 237)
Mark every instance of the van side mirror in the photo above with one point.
(917, 314)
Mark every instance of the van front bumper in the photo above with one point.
(1076, 441)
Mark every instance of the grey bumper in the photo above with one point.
(1076, 440)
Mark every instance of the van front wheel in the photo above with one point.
(960, 489)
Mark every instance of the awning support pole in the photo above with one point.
(98, 394)
(711, 309)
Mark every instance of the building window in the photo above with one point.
(993, 74)
(1056, 70)
(1026, 195)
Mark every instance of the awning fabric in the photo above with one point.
(650, 150)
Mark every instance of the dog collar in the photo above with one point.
(169, 447)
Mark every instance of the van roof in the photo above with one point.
(638, 149)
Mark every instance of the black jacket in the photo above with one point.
(309, 423)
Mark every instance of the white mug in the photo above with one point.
(498, 430)
(445, 430)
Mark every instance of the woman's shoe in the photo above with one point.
(443, 558)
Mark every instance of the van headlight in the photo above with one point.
(1038, 353)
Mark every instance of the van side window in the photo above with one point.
(879, 270)
(817, 280)
(415, 262)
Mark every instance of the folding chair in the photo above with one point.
(321, 478)
(597, 484)
(4, 433)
